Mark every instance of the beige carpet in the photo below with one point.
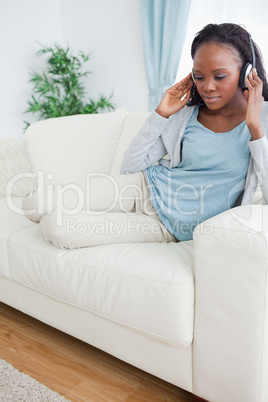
(16, 386)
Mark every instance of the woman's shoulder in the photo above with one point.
(264, 107)
(184, 113)
(264, 111)
(264, 117)
(177, 123)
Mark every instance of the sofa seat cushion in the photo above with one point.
(11, 221)
(148, 287)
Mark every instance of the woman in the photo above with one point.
(217, 149)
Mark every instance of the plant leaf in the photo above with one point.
(61, 88)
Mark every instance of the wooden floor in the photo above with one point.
(73, 368)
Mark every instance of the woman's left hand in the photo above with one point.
(255, 100)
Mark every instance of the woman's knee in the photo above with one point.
(30, 206)
(53, 231)
(64, 230)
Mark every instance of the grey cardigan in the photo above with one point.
(160, 137)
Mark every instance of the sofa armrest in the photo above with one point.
(230, 361)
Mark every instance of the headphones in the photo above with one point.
(247, 67)
(245, 70)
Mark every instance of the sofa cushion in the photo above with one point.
(69, 147)
(12, 220)
(15, 167)
(148, 287)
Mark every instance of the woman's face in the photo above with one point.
(216, 71)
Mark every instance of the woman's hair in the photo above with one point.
(234, 36)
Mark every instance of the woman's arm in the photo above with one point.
(259, 143)
(259, 152)
(148, 147)
(255, 101)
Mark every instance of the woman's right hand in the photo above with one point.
(176, 97)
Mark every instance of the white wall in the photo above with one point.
(108, 28)
(111, 29)
(252, 15)
(22, 24)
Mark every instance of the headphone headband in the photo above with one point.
(247, 67)
(252, 51)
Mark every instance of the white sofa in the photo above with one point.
(192, 313)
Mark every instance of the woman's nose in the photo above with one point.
(208, 85)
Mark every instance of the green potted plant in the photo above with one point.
(60, 91)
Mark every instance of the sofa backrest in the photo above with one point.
(69, 147)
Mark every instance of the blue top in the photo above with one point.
(208, 180)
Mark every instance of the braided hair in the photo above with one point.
(231, 35)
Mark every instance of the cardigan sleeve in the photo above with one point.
(147, 147)
(259, 152)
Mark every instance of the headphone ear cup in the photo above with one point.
(245, 70)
